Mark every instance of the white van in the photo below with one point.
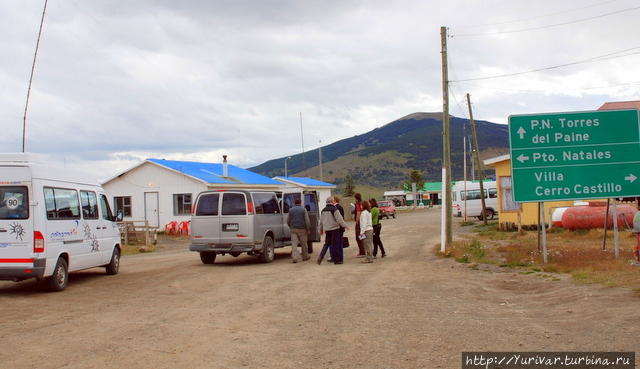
(53, 221)
(248, 221)
(466, 198)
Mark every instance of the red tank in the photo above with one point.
(593, 215)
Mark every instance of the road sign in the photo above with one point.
(575, 156)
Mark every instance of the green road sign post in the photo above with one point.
(575, 155)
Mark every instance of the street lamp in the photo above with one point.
(285, 167)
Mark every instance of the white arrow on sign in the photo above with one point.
(521, 132)
(522, 158)
(630, 178)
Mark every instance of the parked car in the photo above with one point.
(387, 208)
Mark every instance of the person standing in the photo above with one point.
(377, 227)
(366, 231)
(358, 205)
(336, 202)
(330, 222)
(298, 221)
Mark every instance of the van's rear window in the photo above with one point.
(233, 204)
(208, 204)
(15, 202)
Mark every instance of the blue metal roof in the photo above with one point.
(306, 181)
(212, 173)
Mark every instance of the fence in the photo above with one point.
(135, 232)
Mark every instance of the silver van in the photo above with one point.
(247, 221)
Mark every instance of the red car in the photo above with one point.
(387, 208)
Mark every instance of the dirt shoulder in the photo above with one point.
(409, 310)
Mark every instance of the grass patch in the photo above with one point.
(577, 253)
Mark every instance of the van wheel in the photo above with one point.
(490, 214)
(268, 251)
(394, 215)
(207, 257)
(114, 265)
(58, 281)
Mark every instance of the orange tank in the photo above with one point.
(593, 216)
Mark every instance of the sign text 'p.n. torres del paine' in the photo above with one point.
(575, 156)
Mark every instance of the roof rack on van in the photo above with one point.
(20, 157)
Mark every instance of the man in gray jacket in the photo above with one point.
(298, 221)
(330, 222)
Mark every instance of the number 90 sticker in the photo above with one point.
(12, 203)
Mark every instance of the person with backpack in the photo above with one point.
(330, 222)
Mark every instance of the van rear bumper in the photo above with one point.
(221, 247)
(10, 272)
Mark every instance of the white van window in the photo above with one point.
(61, 203)
(89, 202)
(233, 204)
(208, 204)
(266, 203)
(15, 201)
(106, 209)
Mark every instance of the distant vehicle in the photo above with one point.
(387, 208)
(53, 221)
(248, 221)
(466, 199)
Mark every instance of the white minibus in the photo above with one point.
(53, 221)
(466, 199)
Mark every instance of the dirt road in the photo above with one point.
(408, 310)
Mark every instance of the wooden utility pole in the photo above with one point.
(446, 142)
(476, 155)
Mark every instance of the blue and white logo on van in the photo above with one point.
(18, 230)
(230, 227)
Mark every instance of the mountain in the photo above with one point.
(384, 157)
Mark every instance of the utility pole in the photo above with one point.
(477, 158)
(320, 159)
(304, 163)
(446, 144)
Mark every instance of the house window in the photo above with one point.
(123, 203)
(182, 204)
(506, 191)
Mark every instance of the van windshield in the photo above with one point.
(15, 202)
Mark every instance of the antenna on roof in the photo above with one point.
(33, 67)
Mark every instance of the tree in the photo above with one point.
(414, 177)
(349, 187)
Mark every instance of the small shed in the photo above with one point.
(160, 191)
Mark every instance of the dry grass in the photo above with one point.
(578, 253)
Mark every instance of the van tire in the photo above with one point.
(394, 216)
(114, 265)
(268, 251)
(490, 214)
(58, 281)
(207, 257)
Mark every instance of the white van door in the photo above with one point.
(151, 213)
(67, 231)
(16, 220)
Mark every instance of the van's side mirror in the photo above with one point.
(119, 215)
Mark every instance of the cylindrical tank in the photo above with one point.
(593, 216)
(556, 217)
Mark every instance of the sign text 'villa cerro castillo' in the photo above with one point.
(575, 156)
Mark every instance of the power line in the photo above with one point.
(544, 27)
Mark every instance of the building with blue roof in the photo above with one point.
(160, 191)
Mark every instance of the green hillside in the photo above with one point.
(383, 157)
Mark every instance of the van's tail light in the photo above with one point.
(250, 208)
(38, 242)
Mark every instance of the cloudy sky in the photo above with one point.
(118, 81)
